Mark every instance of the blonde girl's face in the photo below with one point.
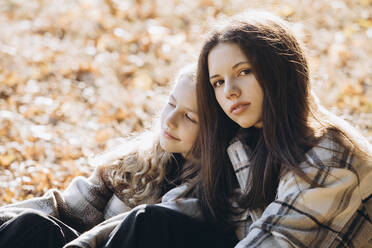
(179, 119)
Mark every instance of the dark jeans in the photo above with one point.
(34, 230)
(154, 226)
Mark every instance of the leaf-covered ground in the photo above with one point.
(76, 74)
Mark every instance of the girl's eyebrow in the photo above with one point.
(240, 63)
(234, 66)
(188, 109)
(214, 76)
(191, 110)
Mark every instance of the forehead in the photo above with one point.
(225, 54)
(185, 92)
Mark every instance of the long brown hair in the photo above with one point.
(280, 66)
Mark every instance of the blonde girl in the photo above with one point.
(143, 170)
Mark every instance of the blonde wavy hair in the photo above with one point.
(139, 169)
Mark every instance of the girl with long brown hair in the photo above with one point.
(275, 164)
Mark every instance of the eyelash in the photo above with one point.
(215, 83)
(189, 118)
(186, 115)
(247, 71)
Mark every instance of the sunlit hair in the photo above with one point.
(139, 167)
(292, 120)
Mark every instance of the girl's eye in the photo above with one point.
(244, 72)
(172, 104)
(190, 118)
(218, 83)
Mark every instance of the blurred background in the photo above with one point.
(75, 75)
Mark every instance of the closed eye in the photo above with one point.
(172, 104)
(190, 118)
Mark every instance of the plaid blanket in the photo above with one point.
(98, 235)
(336, 214)
(82, 205)
(94, 208)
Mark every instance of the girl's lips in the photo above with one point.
(239, 107)
(169, 136)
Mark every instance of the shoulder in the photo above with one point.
(332, 163)
(111, 177)
(105, 173)
(335, 151)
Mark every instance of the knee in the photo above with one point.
(151, 215)
(32, 218)
(151, 211)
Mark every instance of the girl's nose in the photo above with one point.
(171, 120)
(231, 89)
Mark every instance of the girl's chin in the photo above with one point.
(248, 124)
(164, 144)
(244, 124)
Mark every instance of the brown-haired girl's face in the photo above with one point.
(179, 119)
(237, 91)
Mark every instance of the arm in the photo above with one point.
(81, 205)
(187, 206)
(97, 236)
(306, 216)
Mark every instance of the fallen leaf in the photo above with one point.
(7, 159)
(142, 81)
(103, 135)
